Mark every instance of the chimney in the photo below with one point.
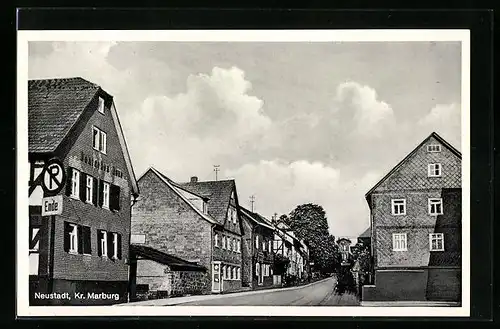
(194, 179)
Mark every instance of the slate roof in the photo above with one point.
(257, 218)
(402, 162)
(174, 262)
(218, 194)
(367, 233)
(54, 106)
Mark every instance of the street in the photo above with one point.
(319, 293)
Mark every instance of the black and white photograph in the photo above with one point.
(185, 172)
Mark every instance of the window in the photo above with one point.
(103, 244)
(239, 246)
(434, 170)
(223, 242)
(257, 242)
(399, 242)
(105, 195)
(89, 189)
(101, 105)
(436, 241)
(75, 183)
(238, 273)
(115, 245)
(234, 245)
(434, 148)
(216, 239)
(398, 206)
(257, 268)
(234, 273)
(228, 243)
(73, 238)
(99, 140)
(270, 245)
(138, 238)
(263, 245)
(435, 206)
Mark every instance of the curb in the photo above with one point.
(172, 302)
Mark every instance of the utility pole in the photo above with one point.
(252, 200)
(216, 169)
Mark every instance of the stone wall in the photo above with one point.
(188, 282)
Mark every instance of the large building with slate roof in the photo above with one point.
(416, 215)
(82, 247)
(196, 221)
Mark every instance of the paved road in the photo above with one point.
(320, 293)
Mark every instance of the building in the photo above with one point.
(198, 222)
(80, 245)
(344, 245)
(257, 248)
(365, 238)
(289, 246)
(416, 226)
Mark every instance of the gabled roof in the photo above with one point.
(175, 263)
(167, 182)
(54, 108)
(367, 233)
(218, 194)
(436, 136)
(256, 218)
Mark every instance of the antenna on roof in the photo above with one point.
(216, 169)
(252, 200)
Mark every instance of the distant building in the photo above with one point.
(344, 245)
(83, 247)
(416, 226)
(258, 255)
(297, 251)
(198, 222)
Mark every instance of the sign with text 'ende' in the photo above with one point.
(52, 205)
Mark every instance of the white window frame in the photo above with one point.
(75, 184)
(398, 237)
(234, 273)
(223, 242)
(115, 245)
(105, 195)
(73, 239)
(398, 202)
(104, 243)
(103, 138)
(432, 167)
(100, 107)
(238, 272)
(437, 237)
(434, 148)
(89, 189)
(256, 242)
(435, 201)
(239, 245)
(270, 245)
(263, 245)
(216, 240)
(96, 138)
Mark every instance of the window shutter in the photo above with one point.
(99, 246)
(79, 238)
(110, 244)
(119, 246)
(114, 197)
(95, 190)
(87, 246)
(100, 195)
(69, 179)
(66, 236)
(83, 186)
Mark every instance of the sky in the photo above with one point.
(292, 123)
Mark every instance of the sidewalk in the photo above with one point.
(196, 298)
(408, 304)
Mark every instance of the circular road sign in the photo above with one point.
(53, 177)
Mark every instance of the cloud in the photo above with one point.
(280, 186)
(445, 119)
(213, 120)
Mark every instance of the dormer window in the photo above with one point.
(434, 148)
(101, 105)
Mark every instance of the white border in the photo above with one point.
(23, 37)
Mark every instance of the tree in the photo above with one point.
(309, 223)
(281, 264)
